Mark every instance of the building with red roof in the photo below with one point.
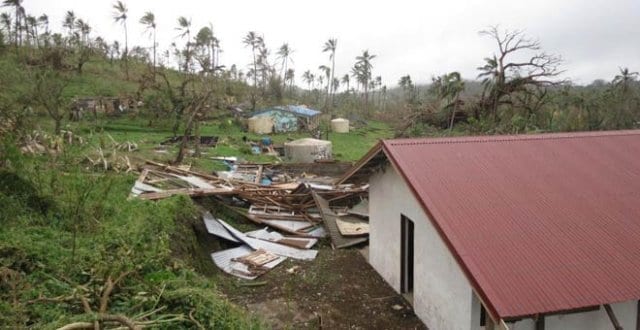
(519, 232)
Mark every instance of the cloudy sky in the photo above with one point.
(420, 38)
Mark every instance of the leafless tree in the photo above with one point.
(503, 76)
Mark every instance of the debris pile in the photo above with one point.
(210, 141)
(158, 181)
(301, 207)
(39, 142)
(259, 251)
(109, 158)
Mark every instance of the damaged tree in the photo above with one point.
(196, 108)
(503, 78)
(177, 98)
(48, 92)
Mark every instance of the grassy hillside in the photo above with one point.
(66, 231)
(73, 248)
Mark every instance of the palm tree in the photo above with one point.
(289, 76)
(284, 54)
(30, 26)
(69, 22)
(17, 5)
(253, 40)
(43, 21)
(84, 29)
(264, 68)
(327, 73)
(308, 77)
(184, 26)
(330, 46)
(622, 84)
(345, 80)
(448, 87)
(120, 15)
(335, 84)
(114, 51)
(205, 40)
(409, 89)
(149, 21)
(363, 64)
(624, 79)
(6, 20)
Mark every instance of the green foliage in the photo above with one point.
(65, 231)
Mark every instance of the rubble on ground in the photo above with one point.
(294, 206)
(210, 141)
(108, 157)
(40, 142)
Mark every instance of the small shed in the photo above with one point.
(291, 118)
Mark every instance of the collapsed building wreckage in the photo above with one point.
(299, 201)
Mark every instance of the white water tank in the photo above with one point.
(340, 125)
(260, 124)
(307, 150)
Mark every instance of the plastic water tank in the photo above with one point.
(340, 125)
(307, 150)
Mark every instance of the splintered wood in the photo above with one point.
(257, 258)
(159, 181)
(289, 207)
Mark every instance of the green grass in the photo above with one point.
(347, 147)
(353, 145)
(66, 230)
(65, 227)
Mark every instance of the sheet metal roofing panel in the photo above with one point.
(296, 109)
(215, 228)
(301, 110)
(279, 249)
(539, 223)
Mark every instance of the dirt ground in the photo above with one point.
(337, 290)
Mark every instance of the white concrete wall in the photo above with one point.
(595, 320)
(442, 296)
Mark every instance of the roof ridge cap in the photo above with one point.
(509, 138)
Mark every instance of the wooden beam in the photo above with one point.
(503, 325)
(612, 317)
(259, 175)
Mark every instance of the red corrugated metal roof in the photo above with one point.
(539, 223)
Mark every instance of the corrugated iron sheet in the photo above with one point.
(539, 223)
(215, 228)
(272, 236)
(297, 227)
(279, 249)
(301, 110)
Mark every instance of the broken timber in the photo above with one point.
(330, 221)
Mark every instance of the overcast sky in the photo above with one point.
(420, 38)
